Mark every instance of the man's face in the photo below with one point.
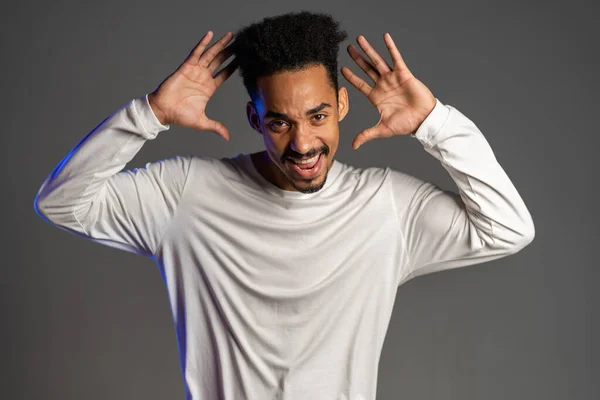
(298, 114)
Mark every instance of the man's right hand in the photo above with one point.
(181, 98)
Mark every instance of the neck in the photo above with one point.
(263, 164)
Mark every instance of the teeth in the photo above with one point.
(310, 160)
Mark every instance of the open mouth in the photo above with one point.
(309, 168)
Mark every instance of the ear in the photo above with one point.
(252, 115)
(343, 105)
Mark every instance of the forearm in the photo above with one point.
(69, 190)
(441, 229)
(492, 203)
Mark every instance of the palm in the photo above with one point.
(402, 100)
(188, 91)
(182, 98)
(398, 106)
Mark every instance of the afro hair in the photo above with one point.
(288, 42)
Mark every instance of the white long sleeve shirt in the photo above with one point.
(278, 294)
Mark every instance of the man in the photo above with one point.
(282, 266)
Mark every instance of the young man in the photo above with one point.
(282, 266)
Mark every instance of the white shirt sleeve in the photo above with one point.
(90, 195)
(485, 220)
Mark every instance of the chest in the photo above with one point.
(291, 245)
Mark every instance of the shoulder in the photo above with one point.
(404, 182)
(360, 178)
(401, 186)
(212, 171)
(410, 193)
(179, 167)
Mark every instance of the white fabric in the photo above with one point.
(277, 294)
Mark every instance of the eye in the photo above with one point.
(320, 117)
(277, 124)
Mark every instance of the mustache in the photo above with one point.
(297, 156)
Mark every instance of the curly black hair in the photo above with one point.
(288, 42)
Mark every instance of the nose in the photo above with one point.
(303, 140)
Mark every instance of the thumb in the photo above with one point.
(364, 137)
(217, 127)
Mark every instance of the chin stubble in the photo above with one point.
(311, 189)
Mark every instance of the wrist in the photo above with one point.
(160, 115)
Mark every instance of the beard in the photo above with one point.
(304, 186)
(310, 188)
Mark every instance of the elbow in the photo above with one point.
(42, 202)
(519, 238)
(38, 207)
(42, 210)
(526, 236)
(53, 213)
(527, 231)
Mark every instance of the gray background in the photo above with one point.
(84, 321)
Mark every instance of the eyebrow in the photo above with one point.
(275, 114)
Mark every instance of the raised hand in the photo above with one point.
(181, 98)
(402, 100)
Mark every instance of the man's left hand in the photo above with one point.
(402, 100)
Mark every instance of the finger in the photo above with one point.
(378, 62)
(217, 127)
(209, 55)
(199, 48)
(357, 82)
(220, 58)
(362, 62)
(396, 57)
(364, 136)
(226, 72)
